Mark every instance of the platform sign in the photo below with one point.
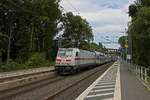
(129, 57)
(121, 49)
(126, 46)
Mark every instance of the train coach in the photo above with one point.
(71, 60)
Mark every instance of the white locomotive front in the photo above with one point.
(73, 59)
(70, 60)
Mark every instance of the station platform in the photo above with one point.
(117, 83)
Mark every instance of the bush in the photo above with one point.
(11, 66)
(38, 60)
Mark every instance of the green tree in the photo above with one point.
(95, 47)
(29, 24)
(141, 36)
(132, 10)
(139, 31)
(122, 41)
(77, 30)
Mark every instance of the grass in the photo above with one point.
(13, 66)
(36, 60)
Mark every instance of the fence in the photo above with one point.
(141, 72)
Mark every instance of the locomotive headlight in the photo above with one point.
(68, 60)
(58, 60)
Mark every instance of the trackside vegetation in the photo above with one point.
(35, 61)
(30, 33)
(139, 32)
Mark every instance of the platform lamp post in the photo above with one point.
(130, 52)
(126, 46)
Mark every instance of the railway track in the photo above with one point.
(8, 94)
(4, 77)
(9, 85)
(20, 80)
(51, 97)
(49, 86)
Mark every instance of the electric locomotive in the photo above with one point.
(71, 60)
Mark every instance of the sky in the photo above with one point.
(108, 18)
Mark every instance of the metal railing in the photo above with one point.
(141, 72)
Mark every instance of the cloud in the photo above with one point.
(107, 29)
(105, 16)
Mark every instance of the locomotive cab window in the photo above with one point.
(67, 53)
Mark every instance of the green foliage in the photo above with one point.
(32, 25)
(11, 66)
(143, 3)
(132, 10)
(139, 30)
(77, 30)
(122, 41)
(38, 60)
(141, 36)
(92, 47)
(95, 47)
